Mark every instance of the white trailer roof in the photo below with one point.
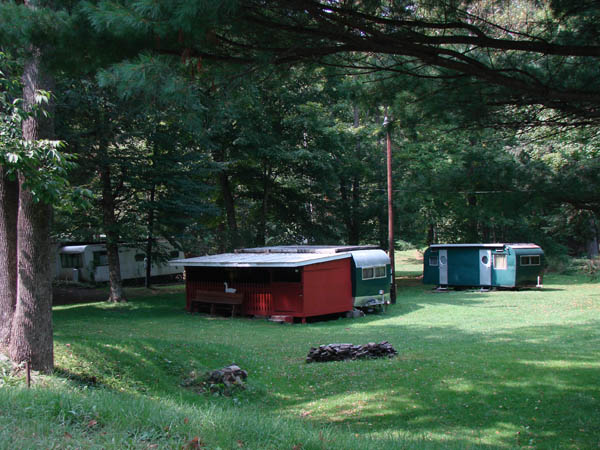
(73, 249)
(369, 258)
(259, 259)
(524, 246)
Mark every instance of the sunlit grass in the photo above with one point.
(501, 369)
(408, 263)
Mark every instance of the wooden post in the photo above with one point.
(390, 205)
(28, 373)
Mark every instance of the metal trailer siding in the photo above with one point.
(372, 286)
(527, 275)
(431, 273)
(327, 289)
(463, 267)
(496, 265)
(130, 267)
(503, 277)
(363, 290)
(456, 266)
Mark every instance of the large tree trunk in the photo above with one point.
(31, 333)
(9, 203)
(112, 236)
(592, 241)
(229, 204)
(354, 232)
(350, 207)
(233, 237)
(261, 237)
(472, 219)
(354, 229)
(431, 234)
(150, 240)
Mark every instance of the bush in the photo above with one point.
(403, 245)
(566, 265)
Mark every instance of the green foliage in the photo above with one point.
(7, 377)
(165, 19)
(42, 164)
(250, 154)
(41, 26)
(401, 245)
(143, 139)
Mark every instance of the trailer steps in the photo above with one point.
(281, 319)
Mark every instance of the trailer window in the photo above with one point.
(500, 262)
(140, 257)
(174, 253)
(70, 261)
(531, 260)
(433, 259)
(368, 273)
(100, 258)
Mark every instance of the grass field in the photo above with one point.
(502, 369)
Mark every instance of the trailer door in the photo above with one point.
(485, 267)
(443, 266)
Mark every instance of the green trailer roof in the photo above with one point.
(494, 245)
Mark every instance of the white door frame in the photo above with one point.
(485, 267)
(443, 267)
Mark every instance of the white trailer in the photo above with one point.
(89, 262)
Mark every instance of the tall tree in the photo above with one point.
(40, 169)
(31, 336)
(8, 248)
(9, 197)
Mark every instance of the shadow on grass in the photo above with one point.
(531, 386)
(168, 305)
(80, 379)
(535, 386)
(409, 273)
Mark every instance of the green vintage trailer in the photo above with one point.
(371, 278)
(484, 265)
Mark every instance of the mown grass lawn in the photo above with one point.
(501, 369)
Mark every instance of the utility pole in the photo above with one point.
(390, 204)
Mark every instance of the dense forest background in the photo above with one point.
(221, 124)
(179, 132)
(298, 156)
(214, 155)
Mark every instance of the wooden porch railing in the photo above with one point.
(258, 297)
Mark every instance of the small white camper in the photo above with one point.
(89, 263)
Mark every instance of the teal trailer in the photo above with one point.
(371, 278)
(484, 265)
